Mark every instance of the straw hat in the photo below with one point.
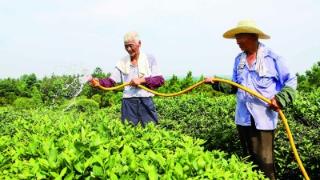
(245, 26)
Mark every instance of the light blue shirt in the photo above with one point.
(131, 91)
(268, 85)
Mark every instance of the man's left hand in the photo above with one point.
(275, 105)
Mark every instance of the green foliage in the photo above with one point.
(304, 121)
(3, 101)
(58, 145)
(187, 81)
(8, 91)
(98, 73)
(306, 108)
(53, 90)
(174, 84)
(87, 105)
(307, 146)
(11, 89)
(203, 113)
(25, 103)
(97, 98)
(29, 80)
(310, 80)
(57, 88)
(81, 104)
(212, 119)
(36, 95)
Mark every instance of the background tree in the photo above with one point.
(310, 80)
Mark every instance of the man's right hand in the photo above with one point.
(274, 104)
(209, 80)
(94, 82)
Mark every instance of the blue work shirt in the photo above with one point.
(269, 84)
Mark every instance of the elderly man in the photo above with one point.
(258, 68)
(137, 68)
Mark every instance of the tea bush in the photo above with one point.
(212, 119)
(25, 103)
(71, 145)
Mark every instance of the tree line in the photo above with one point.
(32, 91)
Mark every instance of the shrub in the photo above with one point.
(212, 119)
(97, 98)
(60, 145)
(25, 103)
(85, 105)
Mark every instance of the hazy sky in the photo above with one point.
(75, 36)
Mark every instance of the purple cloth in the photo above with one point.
(107, 82)
(154, 82)
(151, 82)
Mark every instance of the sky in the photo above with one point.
(76, 36)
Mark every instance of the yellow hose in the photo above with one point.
(155, 92)
(283, 118)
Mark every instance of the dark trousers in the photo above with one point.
(259, 145)
(138, 109)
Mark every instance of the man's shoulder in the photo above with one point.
(124, 59)
(268, 52)
(151, 58)
(238, 56)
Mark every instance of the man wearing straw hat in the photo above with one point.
(260, 69)
(137, 68)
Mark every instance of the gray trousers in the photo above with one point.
(259, 145)
(138, 109)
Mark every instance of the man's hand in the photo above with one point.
(94, 82)
(275, 105)
(137, 81)
(209, 80)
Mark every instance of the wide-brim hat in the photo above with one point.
(245, 26)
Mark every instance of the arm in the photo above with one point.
(283, 98)
(108, 82)
(288, 85)
(225, 88)
(155, 80)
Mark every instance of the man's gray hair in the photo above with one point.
(131, 36)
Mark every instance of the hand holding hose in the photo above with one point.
(209, 80)
(137, 81)
(274, 105)
(94, 82)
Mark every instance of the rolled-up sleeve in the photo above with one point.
(112, 80)
(107, 82)
(154, 82)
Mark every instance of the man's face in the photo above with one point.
(132, 47)
(246, 41)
